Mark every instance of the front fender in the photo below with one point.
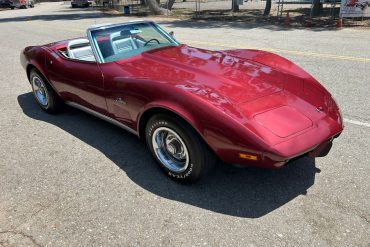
(223, 134)
(176, 109)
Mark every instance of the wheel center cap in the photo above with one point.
(171, 149)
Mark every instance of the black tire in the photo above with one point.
(53, 103)
(73, 5)
(201, 158)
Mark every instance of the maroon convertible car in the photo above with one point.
(191, 106)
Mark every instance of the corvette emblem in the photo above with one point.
(120, 101)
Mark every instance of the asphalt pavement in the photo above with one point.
(74, 180)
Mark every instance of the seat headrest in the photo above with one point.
(126, 33)
(78, 43)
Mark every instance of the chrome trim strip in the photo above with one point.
(101, 116)
(95, 51)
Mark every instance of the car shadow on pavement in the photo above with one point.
(247, 192)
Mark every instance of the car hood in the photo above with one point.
(234, 79)
(255, 94)
(228, 77)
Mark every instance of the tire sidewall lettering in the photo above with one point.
(194, 169)
(155, 125)
(186, 174)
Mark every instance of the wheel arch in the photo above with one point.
(154, 110)
(31, 66)
(186, 118)
(28, 71)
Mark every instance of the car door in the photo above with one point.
(122, 96)
(78, 81)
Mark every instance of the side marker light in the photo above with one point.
(247, 156)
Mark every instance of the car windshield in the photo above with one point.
(128, 40)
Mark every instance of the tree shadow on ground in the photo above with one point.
(247, 192)
(243, 23)
(52, 17)
(299, 18)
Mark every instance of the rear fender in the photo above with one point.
(33, 56)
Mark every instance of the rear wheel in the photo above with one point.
(178, 149)
(45, 96)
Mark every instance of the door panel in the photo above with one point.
(78, 81)
(123, 96)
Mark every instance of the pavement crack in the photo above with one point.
(364, 218)
(31, 238)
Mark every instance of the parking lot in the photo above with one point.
(74, 180)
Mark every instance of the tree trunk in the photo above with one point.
(267, 8)
(235, 6)
(316, 8)
(154, 7)
(169, 4)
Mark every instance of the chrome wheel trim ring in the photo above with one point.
(40, 91)
(170, 149)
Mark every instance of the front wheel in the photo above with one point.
(178, 149)
(45, 96)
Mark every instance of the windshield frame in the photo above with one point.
(98, 56)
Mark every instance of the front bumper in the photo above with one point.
(291, 150)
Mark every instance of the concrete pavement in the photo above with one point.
(74, 180)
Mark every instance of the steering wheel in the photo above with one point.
(151, 41)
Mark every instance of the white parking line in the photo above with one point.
(346, 120)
